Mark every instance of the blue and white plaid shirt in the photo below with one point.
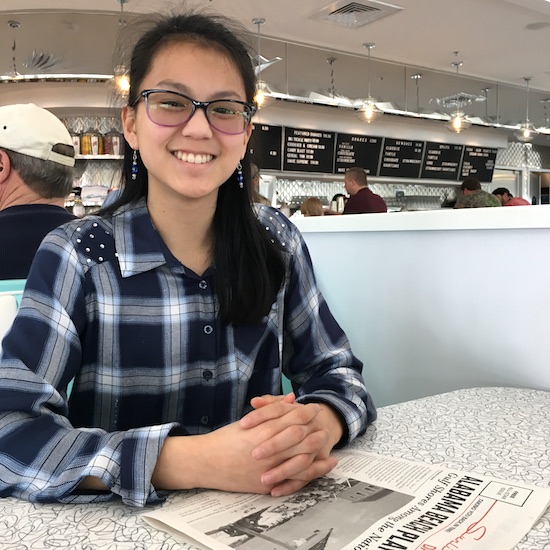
(107, 304)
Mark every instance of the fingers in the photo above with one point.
(262, 401)
(301, 478)
(294, 440)
(281, 409)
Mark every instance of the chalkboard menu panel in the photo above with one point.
(265, 146)
(478, 162)
(356, 150)
(441, 161)
(401, 158)
(308, 150)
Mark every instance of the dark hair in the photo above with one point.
(47, 178)
(249, 267)
(501, 191)
(472, 184)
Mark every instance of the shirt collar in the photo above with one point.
(139, 246)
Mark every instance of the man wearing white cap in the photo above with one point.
(36, 175)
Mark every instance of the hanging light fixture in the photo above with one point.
(416, 78)
(120, 72)
(332, 89)
(263, 92)
(458, 121)
(368, 110)
(12, 24)
(526, 132)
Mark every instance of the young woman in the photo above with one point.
(177, 311)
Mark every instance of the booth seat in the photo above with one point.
(11, 292)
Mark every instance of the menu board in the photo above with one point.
(441, 161)
(308, 150)
(356, 150)
(478, 162)
(401, 158)
(265, 146)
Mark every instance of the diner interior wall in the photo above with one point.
(434, 310)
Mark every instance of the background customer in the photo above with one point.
(507, 199)
(473, 196)
(362, 200)
(312, 207)
(36, 175)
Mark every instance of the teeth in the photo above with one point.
(192, 158)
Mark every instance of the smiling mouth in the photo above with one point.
(192, 158)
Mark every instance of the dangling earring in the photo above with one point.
(134, 165)
(240, 175)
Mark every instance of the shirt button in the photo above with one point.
(205, 419)
(203, 285)
(207, 375)
(208, 329)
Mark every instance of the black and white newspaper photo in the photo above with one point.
(368, 502)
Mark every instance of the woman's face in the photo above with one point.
(191, 161)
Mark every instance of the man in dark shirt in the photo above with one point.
(36, 174)
(362, 200)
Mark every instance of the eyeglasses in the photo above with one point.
(166, 108)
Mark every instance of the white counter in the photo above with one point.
(439, 300)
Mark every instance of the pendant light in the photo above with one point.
(262, 98)
(526, 131)
(332, 89)
(416, 78)
(368, 110)
(120, 72)
(458, 121)
(12, 24)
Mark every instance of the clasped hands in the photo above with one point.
(276, 449)
(280, 446)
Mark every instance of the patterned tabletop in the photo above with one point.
(503, 432)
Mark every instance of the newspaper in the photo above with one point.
(369, 502)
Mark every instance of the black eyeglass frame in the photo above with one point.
(247, 115)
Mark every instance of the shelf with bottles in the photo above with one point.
(96, 137)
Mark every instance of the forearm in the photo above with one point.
(184, 462)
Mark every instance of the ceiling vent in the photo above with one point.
(353, 15)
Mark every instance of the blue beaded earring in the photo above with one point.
(240, 175)
(134, 165)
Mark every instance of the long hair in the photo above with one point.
(249, 267)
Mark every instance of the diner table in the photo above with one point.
(503, 432)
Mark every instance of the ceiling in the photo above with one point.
(499, 42)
